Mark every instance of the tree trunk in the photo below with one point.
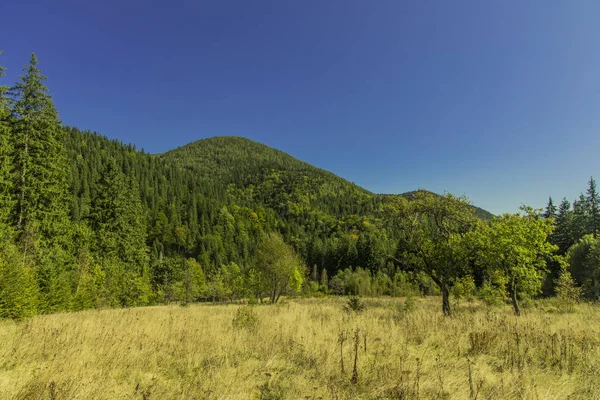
(22, 194)
(515, 301)
(445, 294)
(446, 299)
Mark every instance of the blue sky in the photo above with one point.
(498, 100)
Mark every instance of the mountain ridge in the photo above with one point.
(214, 153)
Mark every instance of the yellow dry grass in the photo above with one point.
(292, 351)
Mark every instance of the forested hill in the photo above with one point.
(232, 159)
(90, 222)
(213, 198)
(255, 172)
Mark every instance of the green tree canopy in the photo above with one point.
(517, 246)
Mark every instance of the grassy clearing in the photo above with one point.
(293, 351)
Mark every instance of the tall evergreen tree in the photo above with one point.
(40, 189)
(580, 223)
(563, 235)
(550, 211)
(593, 201)
(119, 222)
(39, 154)
(5, 160)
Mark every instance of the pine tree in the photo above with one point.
(593, 201)
(39, 154)
(580, 223)
(5, 161)
(40, 189)
(119, 223)
(563, 235)
(18, 288)
(550, 209)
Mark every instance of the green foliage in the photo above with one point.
(492, 295)
(6, 180)
(567, 293)
(245, 318)
(584, 265)
(39, 160)
(464, 288)
(191, 285)
(354, 303)
(278, 268)
(434, 237)
(407, 306)
(18, 288)
(89, 222)
(516, 246)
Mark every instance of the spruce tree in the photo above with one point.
(40, 191)
(119, 223)
(6, 183)
(550, 211)
(39, 154)
(18, 289)
(593, 201)
(580, 223)
(563, 235)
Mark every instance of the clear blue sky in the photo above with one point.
(498, 100)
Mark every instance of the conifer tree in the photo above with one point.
(39, 154)
(40, 189)
(119, 223)
(580, 223)
(550, 211)
(593, 201)
(562, 235)
(5, 161)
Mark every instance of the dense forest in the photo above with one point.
(88, 222)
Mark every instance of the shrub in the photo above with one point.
(567, 294)
(354, 303)
(245, 318)
(491, 295)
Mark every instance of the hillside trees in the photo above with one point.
(18, 289)
(118, 221)
(90, 222)
(6, 184)
(40, 188)
(593, 201)
(584, 265)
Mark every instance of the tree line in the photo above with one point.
(88, 222)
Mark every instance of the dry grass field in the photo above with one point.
(294, 351)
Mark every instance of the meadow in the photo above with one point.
(304, 349)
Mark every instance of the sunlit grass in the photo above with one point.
(293, 351)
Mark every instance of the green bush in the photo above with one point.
(245, 318)
(354, 303)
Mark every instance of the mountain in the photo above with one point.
(214, 198)
(243, 163)
(269, 176)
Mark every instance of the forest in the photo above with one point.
(87, 222)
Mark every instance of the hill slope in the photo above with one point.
(243, 162)
(213, 199)
(269, 176)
